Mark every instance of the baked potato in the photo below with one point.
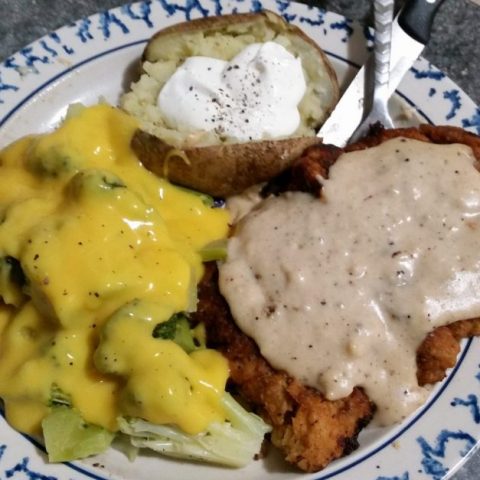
(207, 161)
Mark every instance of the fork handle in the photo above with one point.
(383, 18)
(416, 18)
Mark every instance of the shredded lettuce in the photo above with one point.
(233, 443)
(68, 437)
(216, 250)
(74, 110)
(58, 397)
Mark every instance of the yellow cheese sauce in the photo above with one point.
(94, 252)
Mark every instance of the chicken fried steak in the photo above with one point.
(310, 430)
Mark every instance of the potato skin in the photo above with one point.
(219, 170)
(227, 169)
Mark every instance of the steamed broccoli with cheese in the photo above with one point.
(98, 259)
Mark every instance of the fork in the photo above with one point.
(383, 13)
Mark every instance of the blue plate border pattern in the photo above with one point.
(17, 76)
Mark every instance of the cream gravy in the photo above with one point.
(341, 292)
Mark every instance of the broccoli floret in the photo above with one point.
(177, 329)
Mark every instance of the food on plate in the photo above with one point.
(227, 102)
(100, 261)
(239, 168)
(347, 288)
(309, 430)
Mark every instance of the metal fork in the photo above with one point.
(383, 13)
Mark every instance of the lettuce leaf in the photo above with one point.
(233, 443)
(68, 437)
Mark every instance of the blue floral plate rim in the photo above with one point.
(430, 444)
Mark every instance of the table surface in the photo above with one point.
(453, 48)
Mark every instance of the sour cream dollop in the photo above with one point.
(252, 97)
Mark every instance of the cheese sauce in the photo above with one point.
(340, 292)
(95, 251)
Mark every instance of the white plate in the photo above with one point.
(94, 58)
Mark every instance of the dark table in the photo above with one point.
(453, 48)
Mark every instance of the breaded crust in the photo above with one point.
(310, 430)
(439, 350)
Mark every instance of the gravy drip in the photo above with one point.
(340, 292)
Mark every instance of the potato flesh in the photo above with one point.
(166, 52)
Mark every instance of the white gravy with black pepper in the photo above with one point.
(340, 292)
